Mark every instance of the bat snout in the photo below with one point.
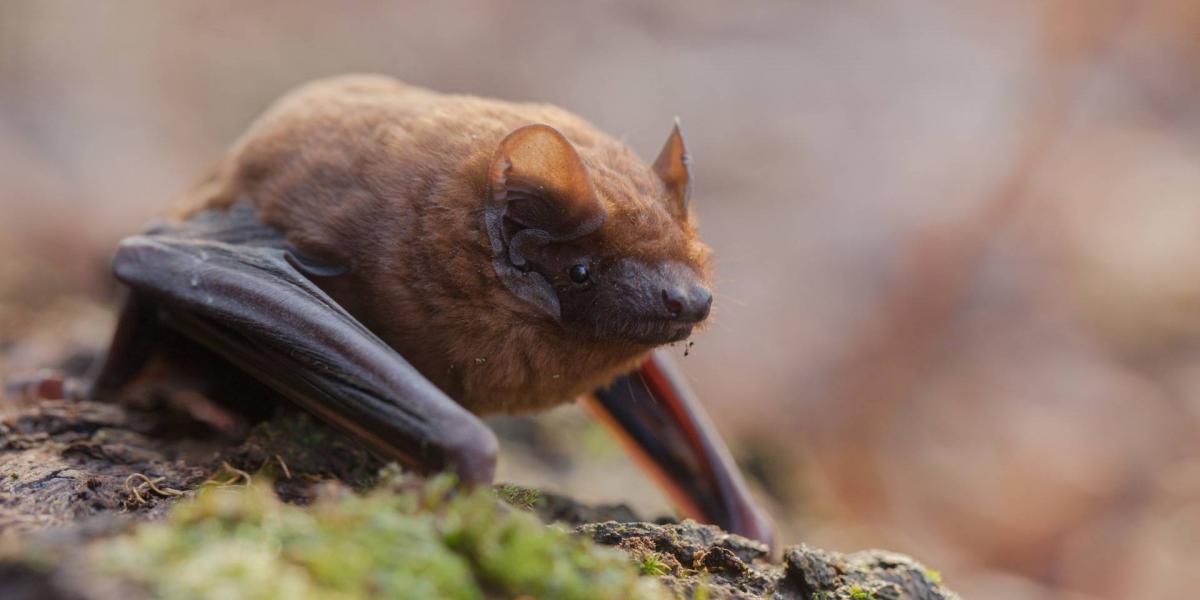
(689, 304)
(651, 303)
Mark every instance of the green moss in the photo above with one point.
(934, 575)
(859, 593)
(294, 441)
(292, 428)
(651, 564)
(521, 497)
(423, 541)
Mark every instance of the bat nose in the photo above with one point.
(689, 304)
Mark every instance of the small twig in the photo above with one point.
(238, 476)
(286, 472)
(137, 499)
(152, 484)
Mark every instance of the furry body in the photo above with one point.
(392, 180)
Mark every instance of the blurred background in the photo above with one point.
(958, 244)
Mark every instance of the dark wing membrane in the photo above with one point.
(233, 284)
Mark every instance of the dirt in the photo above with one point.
(63, 460)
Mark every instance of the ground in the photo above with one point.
(145, 499)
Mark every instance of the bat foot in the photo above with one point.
(46, 384)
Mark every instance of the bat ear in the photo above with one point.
(540, 193)
(674, 168)
(542, 184)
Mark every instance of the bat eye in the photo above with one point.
(578, 273)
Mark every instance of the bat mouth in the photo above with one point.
(678, 331)
(655, 332)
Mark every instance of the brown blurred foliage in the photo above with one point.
(958, 243)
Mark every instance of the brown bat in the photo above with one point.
(398, 261)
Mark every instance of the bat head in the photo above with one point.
(600, 242)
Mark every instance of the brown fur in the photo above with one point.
(391, 179)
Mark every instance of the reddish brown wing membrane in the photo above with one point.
(660, 420)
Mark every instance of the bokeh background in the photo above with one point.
(958, 244)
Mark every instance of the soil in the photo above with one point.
(64, 460)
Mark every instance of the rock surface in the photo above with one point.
(689, 557)
(75, 473)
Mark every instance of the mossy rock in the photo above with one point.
(702, 561)
(116, 501)
(404, 539)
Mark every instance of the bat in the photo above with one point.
(399, 262)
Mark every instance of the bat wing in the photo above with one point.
(660, 420)
(234, 285)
